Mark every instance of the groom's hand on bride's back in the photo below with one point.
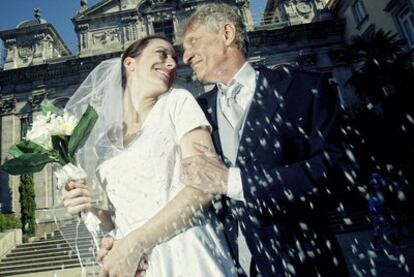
(76, 197)
(205, 171)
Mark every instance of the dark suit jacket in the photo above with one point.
(289, 144)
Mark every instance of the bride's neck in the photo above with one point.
(136, 106)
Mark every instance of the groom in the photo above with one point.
(277, 133)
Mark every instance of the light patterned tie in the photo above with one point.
(230, 108)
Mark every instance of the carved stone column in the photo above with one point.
(11, 123)
(39, 46)
(83, 31)
(11, 56)
(129, 27)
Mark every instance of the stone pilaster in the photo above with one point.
(11, 56)
(83, 36)
(10, 125)
(130, 28)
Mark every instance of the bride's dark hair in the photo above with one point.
(134, 50)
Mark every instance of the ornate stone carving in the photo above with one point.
(39, 36)
(83, 36)
(10, 41)
(37, 14)
(157, 2)
(84, 40)
(38, 44)
(129, 19)
(304, 7)
(7, 104)
(36, 98)
(82, 27)
(106, 36)
(130, 27)
(25, 52)
(10, 45)
(84, 6)
(131, 32)
(126, 3)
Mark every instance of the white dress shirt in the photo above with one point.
(247, 77)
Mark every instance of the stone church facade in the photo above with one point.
(39, 65)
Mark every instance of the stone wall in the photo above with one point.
(8, 240)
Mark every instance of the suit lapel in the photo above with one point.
(271, 88)
(212, 117)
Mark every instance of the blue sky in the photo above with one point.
(59, 13)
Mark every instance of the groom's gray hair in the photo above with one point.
(214, 16)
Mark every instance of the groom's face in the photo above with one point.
(204, 52)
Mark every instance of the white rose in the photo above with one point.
(40, 133)
(41, 121)
(63, 125)
(41, 136)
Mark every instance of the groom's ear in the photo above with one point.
(229, 34)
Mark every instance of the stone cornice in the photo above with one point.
(292, 38)
(150, 7)
(116, 14)
(312, 31)
(21, 80)
(129, 18)
(36, 30)
(90, 10)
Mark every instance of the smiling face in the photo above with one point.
(154, 69)
(204, 52)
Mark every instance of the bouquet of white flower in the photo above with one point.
(54, 137)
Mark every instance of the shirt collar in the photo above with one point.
(246, 76)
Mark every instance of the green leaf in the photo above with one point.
(26, 163)
(14, 151)
(60, 143)
(47, 106)
(26, 146)
(82, 131)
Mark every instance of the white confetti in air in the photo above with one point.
(410, 118)
(350, 155)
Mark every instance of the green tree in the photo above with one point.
(27, 195)
(28, 204)
(383, 78)
(381, 67)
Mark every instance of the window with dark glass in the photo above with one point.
(406, 19)
(165, 28)
(359, 11)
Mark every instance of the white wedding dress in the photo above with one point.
(142, 178)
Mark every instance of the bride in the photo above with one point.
(145, 127)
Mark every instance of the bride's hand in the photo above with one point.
(120, 257)
(76, 197)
